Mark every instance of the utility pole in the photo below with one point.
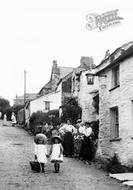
(24, 95)
(24, 87)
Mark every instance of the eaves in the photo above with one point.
(125, 55)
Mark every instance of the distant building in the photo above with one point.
(50, 95)
(70, 84)
(57, 73)
(19, 100)
(65, 84)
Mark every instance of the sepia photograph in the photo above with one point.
(66, 95)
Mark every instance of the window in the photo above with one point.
(115, 122)
(115, 76)
(73, 84)
(47, 105)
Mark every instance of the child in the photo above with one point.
(56, 152)
(41, 151)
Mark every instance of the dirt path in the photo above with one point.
(16, 150)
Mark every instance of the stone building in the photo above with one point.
(116, 105)
(85, 91)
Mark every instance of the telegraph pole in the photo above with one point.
(24, 95)
(24, 87)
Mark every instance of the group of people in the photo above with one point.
(87, 138)
(13, 118)
(62, 143)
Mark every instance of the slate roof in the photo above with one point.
(29, 96)
(120, 54)
(63, 71)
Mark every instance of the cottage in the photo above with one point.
(47, 102)
(116, 105)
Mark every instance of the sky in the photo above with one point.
(34, 33)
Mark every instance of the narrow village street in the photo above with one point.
(16, 150)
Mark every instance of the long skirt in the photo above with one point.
(68, 144)
(86, 151)
(77, 147)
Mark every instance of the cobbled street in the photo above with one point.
(16, 150)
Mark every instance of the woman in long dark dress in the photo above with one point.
(68, 144)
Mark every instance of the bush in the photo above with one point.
(114, 166)
(37, 118)
(53, 117)
(71, 110)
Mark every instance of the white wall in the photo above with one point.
(39, 103)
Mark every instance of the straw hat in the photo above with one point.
(57, 137)
(42, 137)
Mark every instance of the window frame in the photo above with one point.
(115, 130)
(73, 84)
(115, 77)
(47, 105)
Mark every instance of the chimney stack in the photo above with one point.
(87, 62)
(55, 63)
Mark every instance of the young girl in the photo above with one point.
(41, 151)
(56, 152)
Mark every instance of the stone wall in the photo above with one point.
(122, 97)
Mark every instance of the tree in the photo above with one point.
(16, 108)
(37, 118)
(71, 110)
(53, 116)
(4, 106)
